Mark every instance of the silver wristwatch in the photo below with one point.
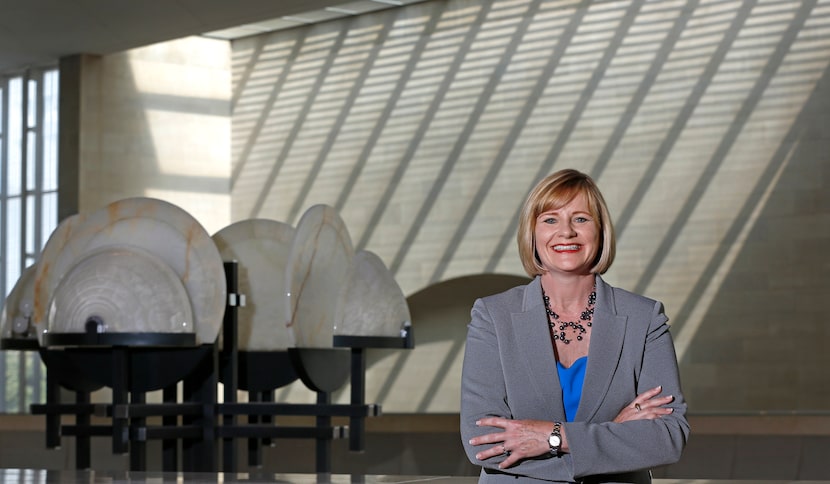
(555, 439)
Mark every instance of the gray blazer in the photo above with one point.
(510, 371)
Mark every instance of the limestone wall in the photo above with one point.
(704, 122)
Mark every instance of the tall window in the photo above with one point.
(28, 207)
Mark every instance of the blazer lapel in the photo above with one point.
(533, 340)
(607, 334)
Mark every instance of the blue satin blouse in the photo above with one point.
(571, 380)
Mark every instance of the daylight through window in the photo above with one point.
(28, 208)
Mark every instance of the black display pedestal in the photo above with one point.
(134, 364)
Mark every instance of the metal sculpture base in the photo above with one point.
(262, 371)
(19, 344)
(132, 371)
(107, 340)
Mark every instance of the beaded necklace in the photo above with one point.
(576, 327)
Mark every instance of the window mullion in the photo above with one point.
(38, 168)
(24, 170)
(4, 158)
(38, 210)
(4, 189)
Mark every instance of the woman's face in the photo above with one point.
(567, 238)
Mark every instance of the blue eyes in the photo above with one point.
(579, 220)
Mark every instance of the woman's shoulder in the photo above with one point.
(624, 298)
(641, 310)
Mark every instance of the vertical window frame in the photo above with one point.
(15, 397)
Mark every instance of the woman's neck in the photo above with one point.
(568, 292)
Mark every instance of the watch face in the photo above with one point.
(554, 440)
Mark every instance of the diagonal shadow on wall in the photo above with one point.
(789, 149)
(469, 126)
(248, 70)
(342, 115)
(298, 123)
(405, 76)
(567, 129)
(683, 116)
(449, 163)
(662, 152)
(279, 82)
(633, 107)
(726, 143)
(733, 21)
(426, 120)
(614, 43)
(763, 324)
(510, 141)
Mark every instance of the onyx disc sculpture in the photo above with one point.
(260, 248)
(16, 327)
(374, 304)
(158, 228)
(318, 273)
(120, 289)
(58, 239)
(321, 369)
(111, 292)
(18, 333)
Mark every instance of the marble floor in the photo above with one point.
(32, 476)
(35, 476)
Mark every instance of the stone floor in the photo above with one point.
(33, 476)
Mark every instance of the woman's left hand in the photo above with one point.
(520, 439)
(647, 405)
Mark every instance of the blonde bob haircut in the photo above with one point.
(553, 192)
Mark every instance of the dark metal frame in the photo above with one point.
(204, 421)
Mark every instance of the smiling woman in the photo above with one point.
(546, 390)
(549, 201)
(567, 238)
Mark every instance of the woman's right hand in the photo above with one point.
(647, 405)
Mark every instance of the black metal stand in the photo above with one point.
(230, 362)
(169, 445)
(199, 450)
(199, 423)
(19, 343)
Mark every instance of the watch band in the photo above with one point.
(555, 439)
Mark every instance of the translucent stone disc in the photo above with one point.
(120, 289)
(260, 247)
(375, 304)
(318, 273)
